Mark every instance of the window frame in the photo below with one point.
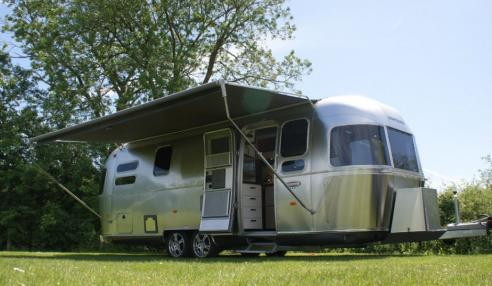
(417, 158)
(308, 139)
(155, 157)
(386, 141)
(217, 134)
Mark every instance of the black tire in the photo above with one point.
(279, 253)
(248, 254)
(178, 244)
(203, 246)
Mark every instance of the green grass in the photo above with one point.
(34, 268)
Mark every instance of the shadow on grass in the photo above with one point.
(110, 257)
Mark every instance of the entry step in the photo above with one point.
(260, 233)
(259, 247)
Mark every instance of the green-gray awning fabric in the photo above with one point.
(191, 108)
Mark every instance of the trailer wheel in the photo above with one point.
(204, 246)
(178, 244)
(280, 253)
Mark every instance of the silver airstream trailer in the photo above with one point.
(225, 166)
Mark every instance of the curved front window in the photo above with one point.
(403, 150)
(358, 145)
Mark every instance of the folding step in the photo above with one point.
(259, 247)
(261, 233)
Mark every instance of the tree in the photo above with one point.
(13, 145)
(89, 58)
(33, 211)
(117, 53)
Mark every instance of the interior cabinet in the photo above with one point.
(252, 217)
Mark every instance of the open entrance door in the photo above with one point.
(257, 202)
(218, 197)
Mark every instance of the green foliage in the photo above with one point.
(100, 55)
(90, 58)
(33, 212)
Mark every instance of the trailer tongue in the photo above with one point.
(458, 229)
(479, 227)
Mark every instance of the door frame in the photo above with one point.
(240, 163)
(220, 223)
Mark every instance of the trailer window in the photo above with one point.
(403, 150)
(219, 145)
(293, 165)
(127, 166)
(162, 161)
(127, 180)
(358, 145)
(294, 138)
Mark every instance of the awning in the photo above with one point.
(195, 107)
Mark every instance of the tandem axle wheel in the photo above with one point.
(185, 244)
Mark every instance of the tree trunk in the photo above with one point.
(213, 58)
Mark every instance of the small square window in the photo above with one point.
(219, 145)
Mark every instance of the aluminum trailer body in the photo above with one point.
(228, 166)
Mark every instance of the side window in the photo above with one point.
(294, 138)
(219, 145)
(127, 180)
(127, 167)
(162, 161)
(403, 150)
(293, 165)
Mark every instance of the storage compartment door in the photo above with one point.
(218, 195)
(124, 223)
(415, 210)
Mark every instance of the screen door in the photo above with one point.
(218, 195)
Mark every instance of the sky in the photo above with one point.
(429, 59)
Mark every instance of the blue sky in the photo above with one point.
(431, 60)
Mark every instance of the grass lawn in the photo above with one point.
(35, 268)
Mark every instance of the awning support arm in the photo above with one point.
(67, 191)
(224, 96)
